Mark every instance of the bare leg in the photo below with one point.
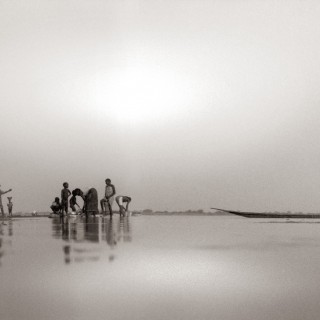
(110, 208)
(102, 204)
(64, 209)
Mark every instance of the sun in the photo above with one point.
(140, 94)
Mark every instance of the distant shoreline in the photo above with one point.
(185, 213)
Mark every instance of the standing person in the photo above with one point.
(65, 193)
(10, 206)
(108, 199)
(1, 206)
(121, 200)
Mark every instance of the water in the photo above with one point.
(160, 267)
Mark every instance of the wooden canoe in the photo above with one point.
(272, 215)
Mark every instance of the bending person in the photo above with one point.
(123, 203)
(90, 197)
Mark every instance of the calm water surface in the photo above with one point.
(160, 267)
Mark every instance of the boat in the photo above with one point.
(271, 215)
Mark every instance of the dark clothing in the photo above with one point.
(73, 201)
(77, 192)
(55, 207)
(10, 206)
(91, 201)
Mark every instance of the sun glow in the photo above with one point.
(141, 94)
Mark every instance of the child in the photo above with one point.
(65, 193)
(10, 206)
(120, 201)
(56, 206)
(73, 202)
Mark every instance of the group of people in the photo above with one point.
(90, 201)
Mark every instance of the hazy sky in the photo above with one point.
(183, 104)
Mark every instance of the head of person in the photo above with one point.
(126, 199)
(9, 198)
(74, 192)
(56, 199)
(77, 192)
(66, 185)
(108, 181)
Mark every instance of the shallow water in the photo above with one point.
(160, 267)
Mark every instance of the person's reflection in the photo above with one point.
(1, 244)
(111, 237)
(92, 229)
(66, 250)
(124, 229)
(65, 228)
(10, 228)
(76, 230)
(56, 227)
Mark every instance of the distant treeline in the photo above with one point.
(199, 212)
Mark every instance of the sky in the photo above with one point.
(183, 104)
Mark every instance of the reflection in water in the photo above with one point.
(66, 250)
(77, 230)
(56, 228)
(10, 228)
(1, 251)
(92, 229)
(124, 229)
(110, 233)
(3, 241)
(65, 227)
(303, 221)
(193, 265)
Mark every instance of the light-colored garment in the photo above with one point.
(111, 200)
(108, 191)
(120, 200)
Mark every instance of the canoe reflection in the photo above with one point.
(77, 230)
(10, 228)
